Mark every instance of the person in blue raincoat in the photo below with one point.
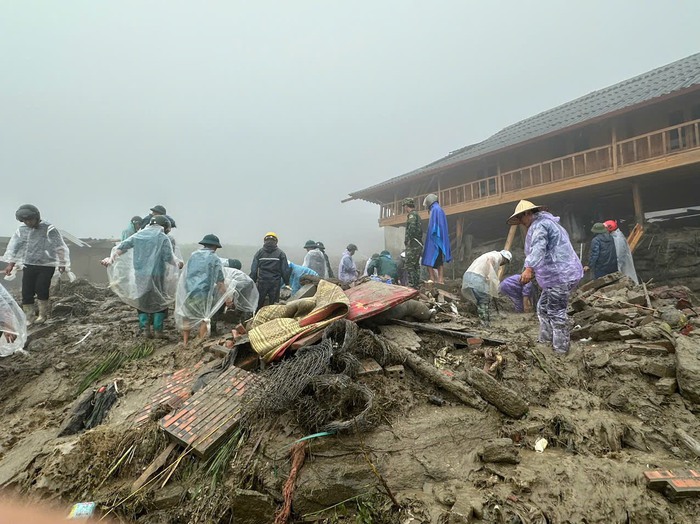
(437, 251)
(297, 272)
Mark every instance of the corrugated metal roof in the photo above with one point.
(662, 81)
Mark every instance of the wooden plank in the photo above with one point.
(153, 468)
(509, 243)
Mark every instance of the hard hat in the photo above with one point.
(161, 221)
(429, 200)
(610, 225)
(159, 209)
(270, 234)
(506, 254)
(210, 240)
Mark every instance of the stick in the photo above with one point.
(448, 332)
(646, 294)
(153, 467)
(596, 295)
(381, 479)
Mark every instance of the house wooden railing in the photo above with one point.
(650, 146)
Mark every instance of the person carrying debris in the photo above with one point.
(550, 258)
(347, 270)
(521, 295)
(603, 257)
(37, 248)
(144, 271)
(322, 248)
(625, 262)
(413, 241)
(437, 251)
(133, 227)
(297, 272)
(314, 259)
(201, 291)
(384, 266)
(269, 266)
(13, 325)
(480, 281)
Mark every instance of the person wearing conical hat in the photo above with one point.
(551, 260)
(603, 257)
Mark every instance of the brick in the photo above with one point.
(395, 372)
(664, 369)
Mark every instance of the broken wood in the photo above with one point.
(426, 370)
(509, 243)
(153, 468)
(646, 294)
(505, 399)
(429, 328)
(598, 295)
(688, 441)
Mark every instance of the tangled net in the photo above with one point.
(316, 385)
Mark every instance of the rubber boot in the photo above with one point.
(158, 319)
(43, 312)
(144, 327)
(29, 313)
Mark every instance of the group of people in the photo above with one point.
(148, 272)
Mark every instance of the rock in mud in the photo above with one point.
(500, 450)
(688, 368)
(252, 507)
(604, 330)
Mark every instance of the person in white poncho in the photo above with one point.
(37, 248)
(625, 262)
(480, 281)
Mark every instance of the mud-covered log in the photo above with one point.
(688, 441)
(506, 400)
(426, 370)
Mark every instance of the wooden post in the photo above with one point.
(459, 234)
(638, 206)
(509, 242)
(614, 149)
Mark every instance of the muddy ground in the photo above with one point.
(602, 418)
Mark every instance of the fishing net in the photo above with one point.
(316, 385)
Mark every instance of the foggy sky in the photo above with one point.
(246, 117)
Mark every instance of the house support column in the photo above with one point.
(638, 206)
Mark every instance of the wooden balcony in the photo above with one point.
(626, 158)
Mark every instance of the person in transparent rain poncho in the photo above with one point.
(37, 248)
(314, 259)
(551, 260)
(480, 281)
(143, 271)
(13, 325)
(625, 262)
(201, 291)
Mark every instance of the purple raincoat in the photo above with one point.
(549, 252)
(515, 291)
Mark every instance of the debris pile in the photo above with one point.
(385, 416)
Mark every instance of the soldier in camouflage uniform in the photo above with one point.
(413, 242)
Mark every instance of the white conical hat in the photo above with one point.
(523, 205)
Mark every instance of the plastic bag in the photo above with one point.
(13, 325)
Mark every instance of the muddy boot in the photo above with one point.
(144, 327)
(43, 312)
(29, 313)
(158, 319)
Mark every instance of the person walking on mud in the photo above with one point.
(37, 248)
(413, 241)
(551, 260)
(144, 272)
